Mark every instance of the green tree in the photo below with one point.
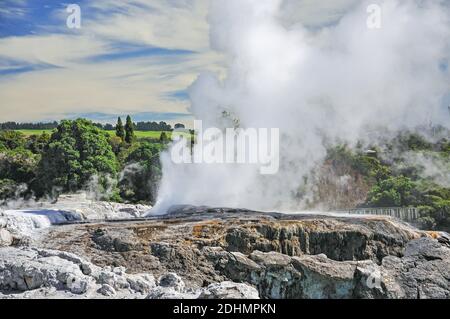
(77, 151)
(394, 191)
(142, 173)
(11, 189)
(120, 131)
(129, 131)
(18, 165)
(37, 143)
(116, 144)
(163, 138)
(12, 139)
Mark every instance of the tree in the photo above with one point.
(129, 131)
(120, 132)
(108, 127)
(76, 152)
(163, 137)
(18, 165)
(394, 191)
(37, 143)
(12, 139)
(117, 144)
(142, 173)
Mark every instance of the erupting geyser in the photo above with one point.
(335, 82)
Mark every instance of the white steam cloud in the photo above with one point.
(334, 82)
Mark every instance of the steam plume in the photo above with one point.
(335, 82)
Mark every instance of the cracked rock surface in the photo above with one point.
(199, 252)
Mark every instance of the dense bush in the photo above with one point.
(391, 192)
(10, 189)
(77, 151)
(79, 155)
(397, 175)
(37, 143)
(367, 165)
(18, 165)
(11, 139)
(142, 172)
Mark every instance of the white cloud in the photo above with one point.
(342, 82)
(315, 13)
(125, 85)
(175, 24)
(139, 84)
(55, 49)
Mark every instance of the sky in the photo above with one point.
(135, 57)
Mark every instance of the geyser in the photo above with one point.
(234, 146)
(337, 81)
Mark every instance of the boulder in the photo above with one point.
(323, 278)
(6, 239)
(142, 283)
(423, 272)
(170, 293)
(172, 280)
(106, 290)
(106, 277)
(25, 269)
(3, 221)
(277, 278)
(85, 266)
(229, 290)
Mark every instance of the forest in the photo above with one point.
(407, 170)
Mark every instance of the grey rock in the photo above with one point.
(77, 285)
(170, 293)
(280, 255)
(142, 283)
(229, 290)
(323, 278)
(85, 266)
(25, 269)
(115, 240)
(424, 271)
(6, 239)
(112, 279)
(277, 278)
(3, 221)
(338, 240)
(237, 266)
(106, 290)
(172, 280)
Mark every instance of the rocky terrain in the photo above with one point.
(201, 252)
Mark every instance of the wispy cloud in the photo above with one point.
(130, 56)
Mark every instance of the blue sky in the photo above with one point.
(135, 57)
(129, 57)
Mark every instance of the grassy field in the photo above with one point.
(144, 134)
(34, 132)
(139, 134)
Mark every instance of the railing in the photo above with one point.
(404, 213)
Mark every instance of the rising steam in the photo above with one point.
(341, 82)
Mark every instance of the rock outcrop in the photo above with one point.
(22, 222)
(229, 290)
(38, 273)
(222, 253)
(6, 239)
(423, 272)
